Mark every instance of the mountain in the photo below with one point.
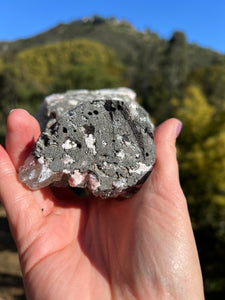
(127, 42)
(119, 35)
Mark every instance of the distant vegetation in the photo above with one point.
(171, 78)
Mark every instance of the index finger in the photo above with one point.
(22, 133)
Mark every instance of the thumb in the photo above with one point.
(165, 174)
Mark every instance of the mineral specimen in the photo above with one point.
(100, 140)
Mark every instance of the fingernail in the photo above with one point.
(178, 129)
(11, 111)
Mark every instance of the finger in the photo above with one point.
(18, 201)
(22, 131)
(165, 144)
(165, 174)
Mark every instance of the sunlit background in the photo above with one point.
(172, 53)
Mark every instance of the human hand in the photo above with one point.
(71, 248)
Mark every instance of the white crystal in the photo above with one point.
(68, 144)
(90, 142)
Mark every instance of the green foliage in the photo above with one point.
(211, 79)
(175, 65)
(202, 171)
(83, 77)
(8, 99)
(44, 62)
(202, 152)
(201, 57)
(1, 65)
(196, 114)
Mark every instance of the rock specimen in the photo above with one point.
(101, 140)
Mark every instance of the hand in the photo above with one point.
(71, 248)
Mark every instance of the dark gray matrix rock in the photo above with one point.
(101, 140)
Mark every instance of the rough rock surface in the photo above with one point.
(55, 105)
(102, 141)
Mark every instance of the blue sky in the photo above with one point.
(203, 21)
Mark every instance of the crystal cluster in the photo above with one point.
(100, 140)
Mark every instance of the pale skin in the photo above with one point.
(71, 248)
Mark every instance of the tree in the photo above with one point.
(83, 76)
(8, 99)
(175, 65)
(211, 79)
(146, 67)
(202, 171)
(43, 63)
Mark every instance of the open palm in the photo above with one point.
(88, 248)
